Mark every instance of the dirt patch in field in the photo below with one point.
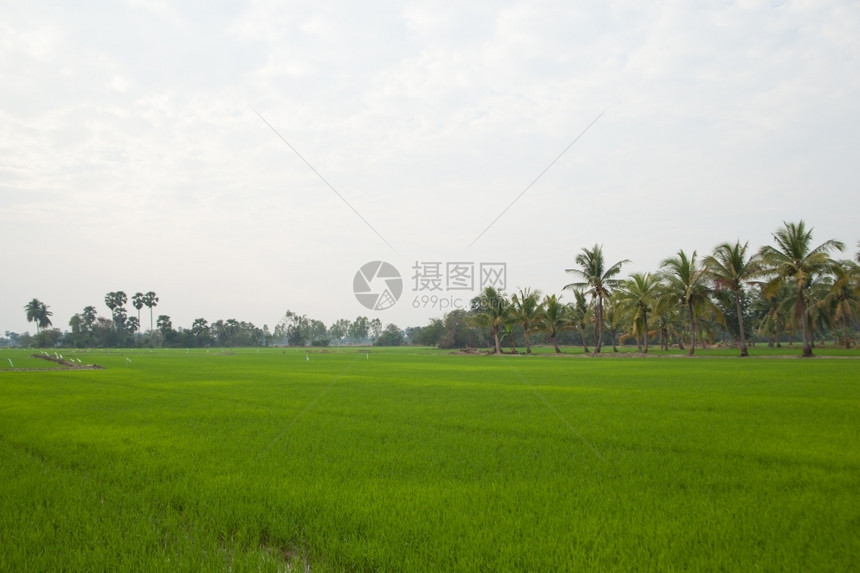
(67, 363)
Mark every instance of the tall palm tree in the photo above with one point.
(638, 295)
(729, 268)
(33, 309)
(598, 281)
(526, 309)
(37, 312)
(150, 299)
(795, 262)
(137, 302)
(687, 282)
(493, 311)
(115, 301)
(553, 319)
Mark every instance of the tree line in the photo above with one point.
(787, 290)
(90, 330)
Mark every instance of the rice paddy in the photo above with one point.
(417, 460)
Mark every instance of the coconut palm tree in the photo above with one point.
(795, 262)
(614, 318)
(773, 316)
(687, 282)
(526, 310)
(598, 281)
(637, 296)
(553, 319)
(492, 311)
(579, 314)
(729, 268)
(843, 296)
(37, 312)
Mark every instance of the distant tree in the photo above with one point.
(795, 262)
(37, 312)
(359, 330)
(339, 330)
(375, 327)
(13, 338)
(137, 301)
(459, 331)
(430, 334)
(598, 281)
(318, 333)
(89, 315)
(296, 328)
(772, 310)
(614, 317)
(200, 329)
(491, 310)
(391, 336)
(729, 268)
(132, 325)
(165, 326)
(526, 310)
(553, 319)
(150, 299)
(579, 314)
(120, 317)
(48, 338)
(686, 281)
(233, 328)
(842, 299)
(637, 296)
(115, 301)
(76, 323)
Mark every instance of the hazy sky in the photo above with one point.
(132, 155)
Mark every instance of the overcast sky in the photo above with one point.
(135, 153)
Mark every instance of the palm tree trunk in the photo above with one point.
(645, 332)
(526, 338)
(598, 325)
(744, 351)
(804, 326)
(692, 330)
(555, 343)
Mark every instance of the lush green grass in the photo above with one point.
(423, 460)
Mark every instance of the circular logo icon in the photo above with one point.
(377, 285)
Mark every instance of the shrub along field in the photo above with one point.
(412, 459)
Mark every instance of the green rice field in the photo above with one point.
(423, 460)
